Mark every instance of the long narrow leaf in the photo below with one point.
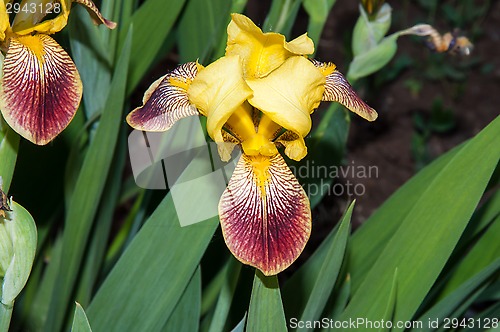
(141, 291)
(330, 268)
(152, 23)
(266, 309)
(461, 295)
(421, 243)
(187, 310)
(87, 193)
(9, 144)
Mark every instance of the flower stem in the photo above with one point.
(5, 316)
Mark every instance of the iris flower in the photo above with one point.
(259, 96)
(41, 89)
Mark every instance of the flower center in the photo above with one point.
(254, 141)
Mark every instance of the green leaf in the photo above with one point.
(464, 294)
(20, 230)
(92, 59)
(391, 303)
(371, 61)
(99, 240)
(225, 296)
(368, 32)
(40, 306)
(266, 310)
(318, 11)
(241, 325)
(329, 272)
(339, 302)
(80, 321)
(281, 16)
(486, 251)
(152, 23)
(9, 144)
(421, 243)
(197, 41)
(141, 291)
(386, 220)
(297, 289)
(187, 311)
(88, 191)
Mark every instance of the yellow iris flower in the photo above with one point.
(260, 96)
(41, 89)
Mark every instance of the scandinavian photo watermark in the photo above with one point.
(368, 325)
(183, 160)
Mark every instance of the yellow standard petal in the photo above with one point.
(218, 91)
(262, 52)
(30, 19)
(265, 214)
(4, 20)
(40, 90)
(289, 94)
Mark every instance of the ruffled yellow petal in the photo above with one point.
(295, 147)
(41, 88)
(338, 89)
(262, 52)
(30, 20)
(265, 214)
(166, 101)
(4, 20)
(218, 91)
(289, 94)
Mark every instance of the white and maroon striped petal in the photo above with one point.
(96, 14)
(166, 101)
(338, 89)
(41, 88)
(265, 214)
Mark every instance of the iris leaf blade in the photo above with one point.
(421, 243)
(87, 193)
(266, 309)
(154, 270)
(330, 269)
(188, 308)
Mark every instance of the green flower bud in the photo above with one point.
(18, 238)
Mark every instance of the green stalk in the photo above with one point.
(5, 316)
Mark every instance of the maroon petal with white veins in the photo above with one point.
(338, 89)
(265, 214)
(166, 101)
(41, 88)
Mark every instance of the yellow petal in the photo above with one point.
(41, 88)
(295, 147)
(338, 89)
(4, 20)
(29, 19)
(289, 94)
(262, 52)
(166, 101)
(218, 91)
(265, 214)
